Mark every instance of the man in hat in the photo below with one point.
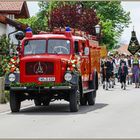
(123, 72)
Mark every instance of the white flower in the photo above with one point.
(13, 66)
(12, 60)
(74, 65)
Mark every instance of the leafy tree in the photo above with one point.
(39, 22)
(75, 16)
(113, 19)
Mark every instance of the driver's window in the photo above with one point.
(58, 46)
(83, 47)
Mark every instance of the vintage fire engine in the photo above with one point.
(53, 66)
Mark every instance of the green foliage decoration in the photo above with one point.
(47, 84)
(5, 56)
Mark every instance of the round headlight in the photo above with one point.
(68, 76)
(12, 77)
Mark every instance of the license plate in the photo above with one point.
(46, 79)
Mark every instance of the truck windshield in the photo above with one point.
(58, 46)
(34, 47)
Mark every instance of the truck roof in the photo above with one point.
(40, 36)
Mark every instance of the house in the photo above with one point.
(123, 50)
(9, 11)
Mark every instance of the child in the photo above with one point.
(123, 72)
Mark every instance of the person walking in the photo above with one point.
(117, 63)
(103, 72)
(112, 72)
(136, 71)
(123, 72)
(108, 67)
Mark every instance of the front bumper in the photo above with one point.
(41, 89)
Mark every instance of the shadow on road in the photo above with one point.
(59, 109)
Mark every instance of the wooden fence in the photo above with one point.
(2, 94)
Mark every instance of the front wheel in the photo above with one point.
(74, 101)
(46, 102)
(37, 102)
(15, 102)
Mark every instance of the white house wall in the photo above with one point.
(10, 29)
(2, 29)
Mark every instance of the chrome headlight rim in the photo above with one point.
(68, 76)
(12, 77)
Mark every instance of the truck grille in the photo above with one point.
(39, 68)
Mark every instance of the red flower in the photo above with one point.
(15, 58)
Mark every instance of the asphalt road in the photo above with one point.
(115, 115)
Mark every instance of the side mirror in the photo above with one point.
(19, 35)
(86, 51)
(18, 49)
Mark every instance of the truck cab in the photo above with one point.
(54, 66)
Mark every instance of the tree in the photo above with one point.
(74, 16)
(39, 22)
(113, 18)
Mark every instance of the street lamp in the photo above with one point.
(98, 31)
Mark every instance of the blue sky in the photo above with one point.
(132, 6)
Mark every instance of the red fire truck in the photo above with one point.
(54, 66)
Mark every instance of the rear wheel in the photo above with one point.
(93, 85)
(74, 101)
(15, 102)
(83, 100)
(91, 98)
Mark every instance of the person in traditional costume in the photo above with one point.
(136, 71)
(123, 72)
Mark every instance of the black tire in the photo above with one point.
(15, 102)
(83, 100)
(37, 102)
(91, 98)
(46, 103)
(74, 101)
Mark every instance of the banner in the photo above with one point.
(133, 46)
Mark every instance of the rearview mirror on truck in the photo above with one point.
(86, 51)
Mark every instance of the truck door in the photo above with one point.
(84, 61)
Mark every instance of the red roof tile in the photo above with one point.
(19, 8)
(11, 6)
(124, 49)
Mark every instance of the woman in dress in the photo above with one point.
(136, 69)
